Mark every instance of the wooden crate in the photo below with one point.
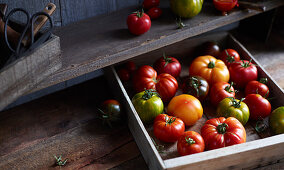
(260, 148)
(24, 74)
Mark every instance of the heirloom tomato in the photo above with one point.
(257, 87)
(110, 111)
(146, 78)
(209, 68)
(208, 48)
(148, 4)
(154, 12)
(196, 86)
(276, 120)
(230, 107)
(168, 128)
(123, 74)
(138, 23)
(186, 8)
(259, 107)
(187, 108)
(242, 72)
(221, 132)
(148, 105)
(229, 56)
(221, 90)
(189, 143)
(225, 5)
(130, 66)
(168, 64)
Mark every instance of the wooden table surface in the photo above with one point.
(65, 123)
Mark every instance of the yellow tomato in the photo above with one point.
(186, 107)
(210, 69)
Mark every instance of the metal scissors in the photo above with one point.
(26, 41)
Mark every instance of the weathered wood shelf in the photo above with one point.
(101, 41)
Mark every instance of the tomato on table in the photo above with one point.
(276, 120)
(146, 77)
(242, 72)
(257, 87)
(148, 105)
(154, 12)
(230, 107)
(190, 143)
(138, 23)
(259, 107)
(221, 90)
(211, 69)
(196, 86)
(186, 107)
(225, 5)
(229, 56)
(148, 4)
(168, 64)
(110, 111)
(221, 132)
(186, 8)
(168, 128)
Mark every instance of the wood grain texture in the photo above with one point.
(21, 76)
(92, 44)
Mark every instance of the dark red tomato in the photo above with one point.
(168, 64)
(208, 48)
(130, 66)
(229, 56)
(110, 111)
(242, 72)
(138, 23)
(259, 107)
(221, 90)
(148, 4)
(221, 132)
(146, 78)
(196, 86)
(154, 12)
(190, 143)
(225, 5)
(123, 74)
(257, 87)
(168, 128)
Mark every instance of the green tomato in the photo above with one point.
(230, 107)
(186, 8)
(276, 120)
(148, 105)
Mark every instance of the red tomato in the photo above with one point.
(130, 66)
(148, 4)
(123, 74)
(221, 132)
(225, 5)
(146, 77)
(167, 64)
(221, 90)
(259, 107)
(242, 72)
(257, 87)
(189, 143)
(154, 12)
(229, 56)
(168, 128)
(138, 23)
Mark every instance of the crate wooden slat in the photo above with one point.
(24, 74)
(101, 41)
(259, 150)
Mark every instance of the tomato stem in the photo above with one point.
(266, 94)
(196, 84)
(211, 64)
(245, 64)
(170, 121)
(167, 59)
(148, 94)
(229, 58)
(139, 14)
(222, 128)
(228, 88)
(235, 103)
(189, 140)
(263, 80)
(180, 24)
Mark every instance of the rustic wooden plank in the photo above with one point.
(92, 44)
(22, 75)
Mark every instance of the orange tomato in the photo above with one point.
(186, 107)
(210, 69)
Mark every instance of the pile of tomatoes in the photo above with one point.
(208, 79)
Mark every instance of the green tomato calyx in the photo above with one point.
(211, 64)
(167, 59)
(170, 121)
(148, 94)
(189, 140)
(222, 128)
(235, 103)
(263, 80)
(228, 88)
(229, 58)
(195, 83)
(139, 14)
(246, 64)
